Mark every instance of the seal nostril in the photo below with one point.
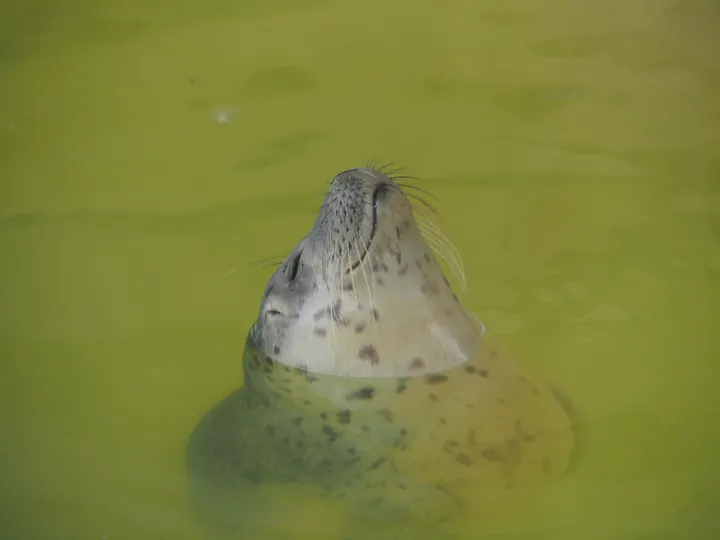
(274, 313)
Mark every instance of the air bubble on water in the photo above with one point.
(225, 115)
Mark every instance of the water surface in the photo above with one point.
(152, 152)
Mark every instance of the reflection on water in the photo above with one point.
(572, 146)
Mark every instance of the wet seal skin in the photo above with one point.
(365, 378)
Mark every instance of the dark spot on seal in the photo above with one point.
(375, 314)
(432, 397)
(430, 288)
(491, 454)
(483, 373)
(398, 256)
(417, 363)
(375, 464)
(276, 349)
(335, 313)
(386, 414)
(397, 233)
(427, 257)
(380, 281)
(343, 417)
(521, 434)
(418, 264)
(470, 369)
(365, 392)
(319, 315)
(368, 352)
(436, 378)
(401, 386)
(464, 459)
(320, 332)
(252, 476)
(359, 327)
(403, 270)
(348, 287)
(330, 432)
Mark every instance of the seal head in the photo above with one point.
(362, 295)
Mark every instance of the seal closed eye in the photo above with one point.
(366, 378)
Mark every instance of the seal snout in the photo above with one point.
(359, 178)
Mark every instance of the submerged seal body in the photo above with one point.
(365, 379)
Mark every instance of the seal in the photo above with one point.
(367, 380)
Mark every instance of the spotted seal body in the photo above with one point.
(366, 379)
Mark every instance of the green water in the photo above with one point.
(152, 152)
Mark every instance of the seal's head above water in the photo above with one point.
(362, 295)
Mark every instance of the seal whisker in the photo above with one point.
(417, 188)
(413, 197)
(269, 261)
(370, 290)
(391, 173)
(445, 249)
(394, 176)
(439, 232)
(353, 284)
(439, 250)
(226, 275)
(326, 214)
